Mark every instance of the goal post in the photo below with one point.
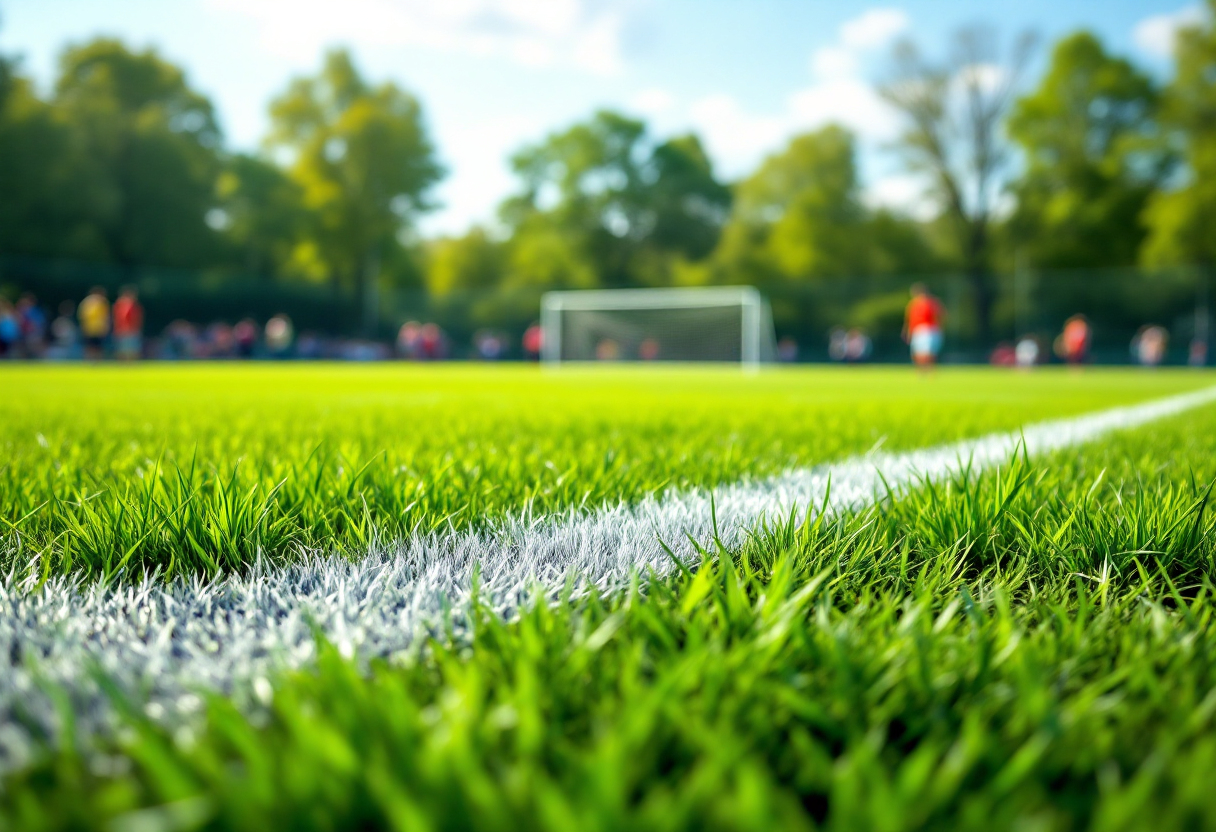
(712, 324)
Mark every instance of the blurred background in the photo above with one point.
(380, 178)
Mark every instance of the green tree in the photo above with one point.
(262, 214)
(800, 217)
(155, 144)
(52, 195)
(1091, 159)
(601, 196)
(365, 162)
(1182, 220)
(471, 262)
(953, 111)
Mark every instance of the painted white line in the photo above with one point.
(162, 643)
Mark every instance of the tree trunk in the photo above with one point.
(981, 281)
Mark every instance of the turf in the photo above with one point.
(1032, 647)
(202, 469)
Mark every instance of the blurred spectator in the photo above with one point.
(279, 335)
(534, 341)
(33, 321)
(65, 335)
(432, 342)
(1148, 345)
(181, 338)
(10, 330)
(310, 346)
(923, 320)
(648, 350)
(607, 350)
(1072, 344)
(837, 342)
(1003, 354)
(409, 340)
(1197, 355)
(490, 345)
(94, 316)
(128, 325)
(787, 350)
(245, 337)
(857, 346)
(220, 341)
(1027, 351)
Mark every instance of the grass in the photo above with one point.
(198, 469)
(1028, 648)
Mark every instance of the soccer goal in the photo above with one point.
(726, 324)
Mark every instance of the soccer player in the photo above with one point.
(1072, 344)
(923, 326)
(94, 315)
(128, 324)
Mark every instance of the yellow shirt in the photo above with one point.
(94, 314)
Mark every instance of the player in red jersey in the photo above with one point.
(923, 326)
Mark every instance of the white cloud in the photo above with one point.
(585, 34)
(1155, 35)
(873, 28)
(902, 192)
(834, 62)
(987, 77)
(652, 103)
(837, 93)
(479, 176)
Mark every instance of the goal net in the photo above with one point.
(727, 324)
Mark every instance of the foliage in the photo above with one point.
(602, 199)
(262, 214)
(363, 160)
(52, 191)
(800, 218)
(1092, 163)
(1181, 218)
(1028, 647)
(153, 142)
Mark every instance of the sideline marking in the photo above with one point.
(163, 643)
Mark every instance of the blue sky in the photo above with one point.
(493, 74)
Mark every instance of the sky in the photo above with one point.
(493, 75)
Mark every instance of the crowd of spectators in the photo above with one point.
(96, 329)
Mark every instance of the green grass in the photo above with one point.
(197, 469)
(1030, 648)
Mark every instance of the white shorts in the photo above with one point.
(926, 341)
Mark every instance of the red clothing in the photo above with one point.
(924, 310)
(1076, 338)
(128, 317)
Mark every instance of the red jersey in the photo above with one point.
(1076, 337)
(924, 310)
(128, 316)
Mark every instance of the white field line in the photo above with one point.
(164, 643)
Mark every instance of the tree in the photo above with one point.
(602, 195)
(52, 193)
(800, 217)
(1091, 161)
(261, 212)
(472, 262)
(364, 161)
(155, 145)
(1182, 230)
(953, 110)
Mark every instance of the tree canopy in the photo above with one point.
(1092, 161)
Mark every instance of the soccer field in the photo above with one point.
(319, 597)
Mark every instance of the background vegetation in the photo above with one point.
(1094, 169)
